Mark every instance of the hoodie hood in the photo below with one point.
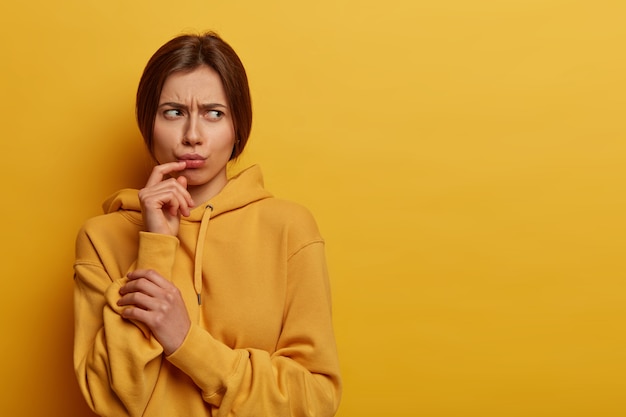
(242, 189)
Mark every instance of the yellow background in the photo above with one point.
(465, 161)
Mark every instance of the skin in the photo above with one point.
(193, 140)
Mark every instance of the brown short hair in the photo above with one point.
(186, 53)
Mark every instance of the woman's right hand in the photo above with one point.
(163, 201)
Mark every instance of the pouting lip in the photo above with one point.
(192, 160)
(190, 157)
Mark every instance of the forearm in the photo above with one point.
(253, 382)
(116, 361)
(116, 365)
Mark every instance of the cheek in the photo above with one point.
(161, 131)
(224, 138)
(161, 140)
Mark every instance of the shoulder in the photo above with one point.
(113, 222)
(290, 222)
(287, 212)
(107, 229)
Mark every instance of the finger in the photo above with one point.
(160, 171)
(182, 180)
(150, 275)
(176, 199)
(172, 201)
(138, 300)
(138, 314)
(172, 198)
(164, 191)
(140, 285)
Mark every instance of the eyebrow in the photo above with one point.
(184, 107)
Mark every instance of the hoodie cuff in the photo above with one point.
(210, 363)
(157, 252)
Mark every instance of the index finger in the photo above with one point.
(159, 171)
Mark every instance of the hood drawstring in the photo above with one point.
(197, 270)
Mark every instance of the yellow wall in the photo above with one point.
(466, 161)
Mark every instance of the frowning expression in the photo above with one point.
(194, 124)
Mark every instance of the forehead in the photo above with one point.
(202, 83)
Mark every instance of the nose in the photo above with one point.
(192, 134)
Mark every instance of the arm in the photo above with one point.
(117, 354)
(116, 362)
(301, 378)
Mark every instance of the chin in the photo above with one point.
(195, 182)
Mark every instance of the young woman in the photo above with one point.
(202, 295)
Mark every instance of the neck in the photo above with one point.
(202, 193)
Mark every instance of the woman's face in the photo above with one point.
(194, 124)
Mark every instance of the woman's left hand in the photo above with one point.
(153, 300)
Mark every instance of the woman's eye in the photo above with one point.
(172, 113)
(214, 114)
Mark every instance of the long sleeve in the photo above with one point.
(252, 272)
(116, 362)
(301, 378)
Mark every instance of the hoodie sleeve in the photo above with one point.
(301, 378)
(116, 362)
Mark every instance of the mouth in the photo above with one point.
(192, 160)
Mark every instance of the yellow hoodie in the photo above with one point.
(252, 271)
